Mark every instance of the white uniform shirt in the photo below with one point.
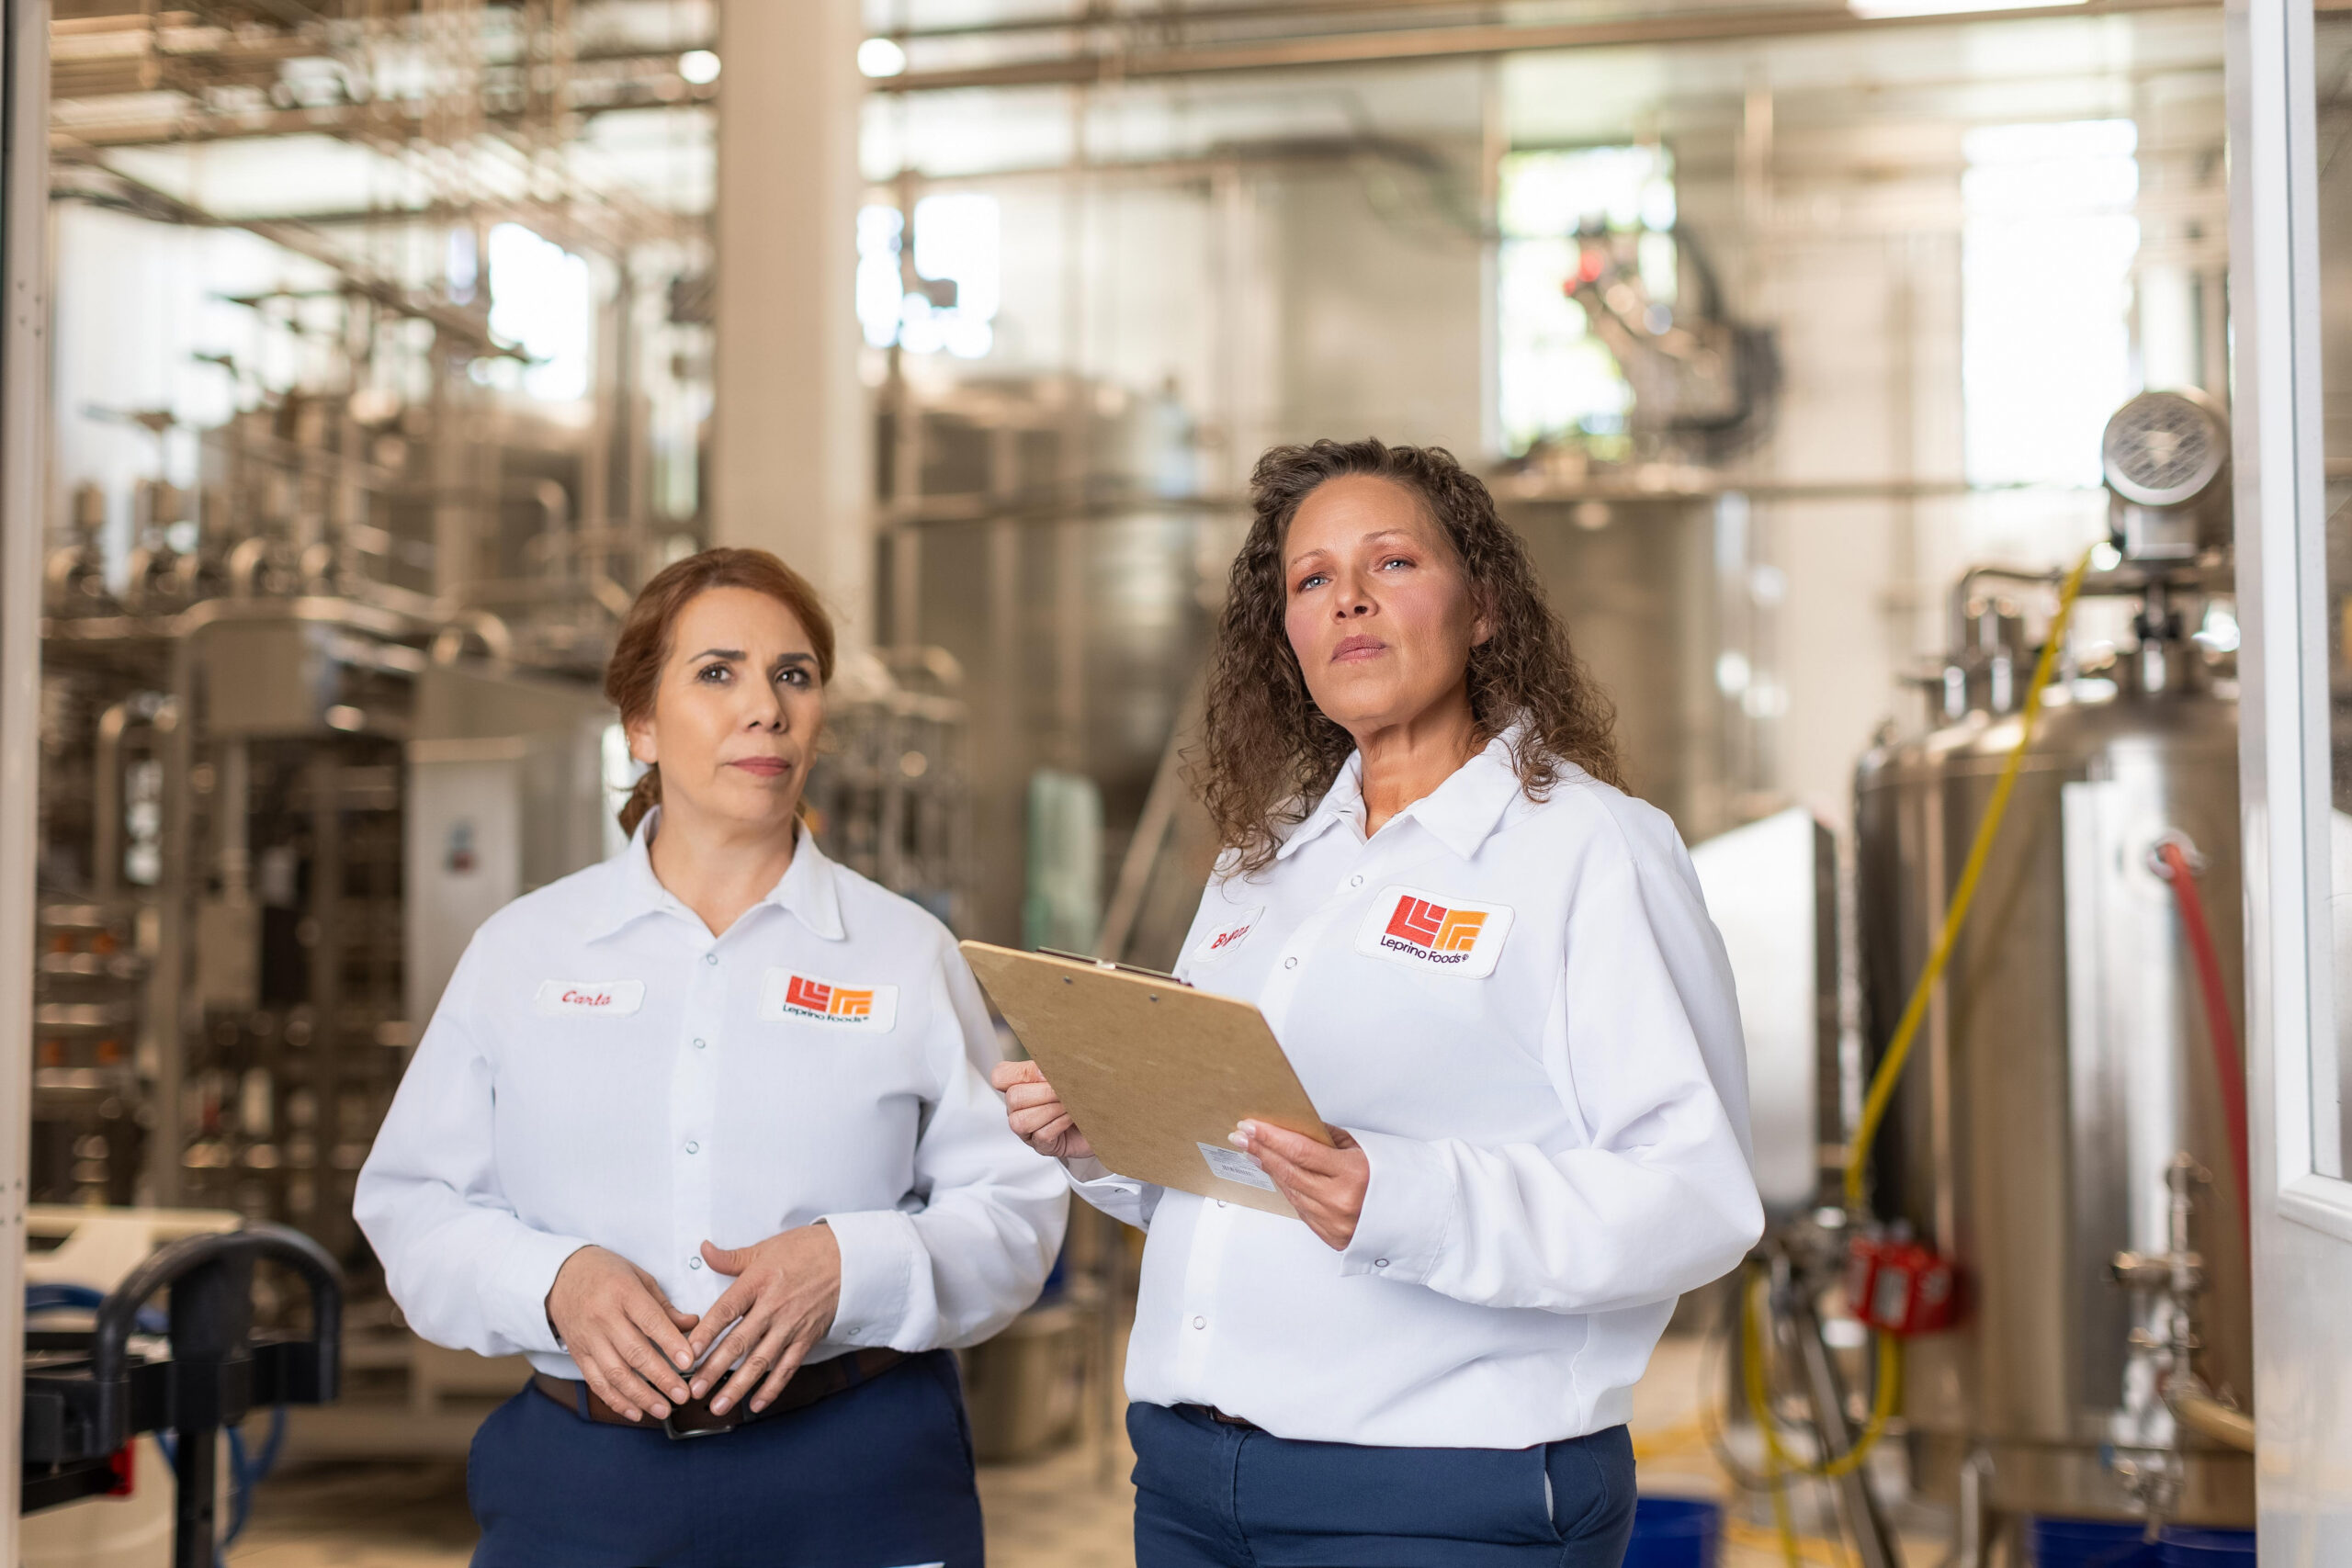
(602, 1070)
(1524, 1015)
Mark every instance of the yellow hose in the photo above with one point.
(1781, 1524)
(1760, 1404)
(1964, 893)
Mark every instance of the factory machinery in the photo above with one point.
(2044, 1220)
(279, 792)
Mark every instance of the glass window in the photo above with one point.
(2046, 275)
(1587, 229)
(2332, 1057)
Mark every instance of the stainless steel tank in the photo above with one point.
(2065, 1062)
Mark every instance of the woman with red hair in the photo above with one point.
(702, 1131)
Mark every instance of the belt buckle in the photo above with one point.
(679, 1434)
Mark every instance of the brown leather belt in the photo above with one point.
(1214, 1414)
(695, 1419)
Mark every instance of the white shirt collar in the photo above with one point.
(806, 889)
(1460, 812)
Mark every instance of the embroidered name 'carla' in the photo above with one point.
(607, 998)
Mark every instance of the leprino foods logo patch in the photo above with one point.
(1434, 934)
(789, 995)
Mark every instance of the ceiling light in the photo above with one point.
(881, 57)
(698, 66)
(1877, 9)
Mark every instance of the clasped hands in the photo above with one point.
(641, 1355)
(1327, 1186)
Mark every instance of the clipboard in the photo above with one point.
(1155, 1073)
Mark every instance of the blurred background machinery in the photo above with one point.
(2074, 1058)
(386, 349)
(2064, 1160)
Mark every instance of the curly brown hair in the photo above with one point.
(1268, 753)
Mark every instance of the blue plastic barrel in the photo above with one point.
(2182, 1547)
(2091, 1543)
(1676, 1532)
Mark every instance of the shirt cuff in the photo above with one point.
(878, 1255)
(515, 1297)
(1124, 1198)
(1408, 1208)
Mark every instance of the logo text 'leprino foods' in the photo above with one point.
(1433, 933)
(1438, 935)
(787, 995)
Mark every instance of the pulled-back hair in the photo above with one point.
(634, 674)
(1268, 753)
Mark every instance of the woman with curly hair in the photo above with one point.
(1491, 968)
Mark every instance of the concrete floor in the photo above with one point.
(1070, 1510)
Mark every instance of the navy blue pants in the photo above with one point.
(1213, 1495)
(876, 1476)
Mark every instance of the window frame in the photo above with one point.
(2285, 796)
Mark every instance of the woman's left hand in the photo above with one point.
(786, 1290)
(1325, 1185)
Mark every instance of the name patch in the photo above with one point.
(790, 995)
(1434, 934)
(1226, 938)
(610, 999)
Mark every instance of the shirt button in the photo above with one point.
(694, 1262)
(1355, 882)
(1290, 962)
(1380, 1263)
(1200, 1323)
(693, 1149)
(698, 1045)
(710, 958)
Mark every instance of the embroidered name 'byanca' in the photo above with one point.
(1431, 933)
(1226, 938)
(604, 998)
(788, 995)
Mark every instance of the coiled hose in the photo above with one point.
(1884, 1080)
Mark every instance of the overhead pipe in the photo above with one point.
(1472, 41)
(1172, 21)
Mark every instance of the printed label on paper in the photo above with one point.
(1232, 1165)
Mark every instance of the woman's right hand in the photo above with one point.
(1036, 1113)
(617, 1326)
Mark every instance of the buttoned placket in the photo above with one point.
(693, 1096)
(1212, 1225)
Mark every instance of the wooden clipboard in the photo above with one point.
(1155, 1073)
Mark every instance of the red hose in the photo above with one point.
(2227, 1064)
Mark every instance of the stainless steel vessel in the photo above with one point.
(2061, 1070)
(2066, 1062)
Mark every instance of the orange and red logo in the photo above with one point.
(788, 995)
(827, 1001)
(1434, 927)
(1408, 926)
